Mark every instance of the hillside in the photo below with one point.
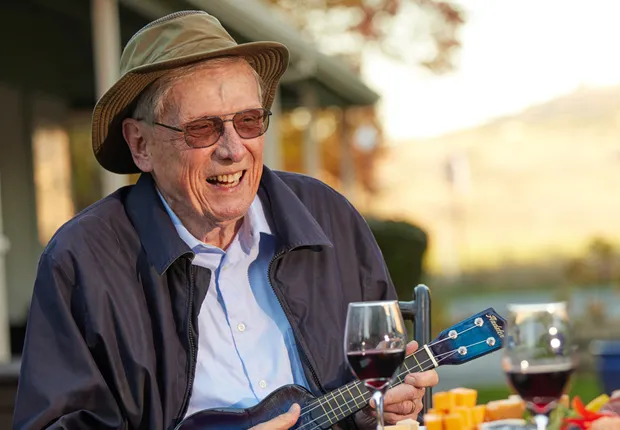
(543, 181)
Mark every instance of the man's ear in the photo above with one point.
(136, 138)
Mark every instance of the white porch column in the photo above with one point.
(106, 36)
(5, 343)
(273, 143)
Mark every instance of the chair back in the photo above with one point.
(418, 311)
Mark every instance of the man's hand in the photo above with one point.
(282, 422)
(405, 400)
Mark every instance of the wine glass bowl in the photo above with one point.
(539, 355)
(375, 343)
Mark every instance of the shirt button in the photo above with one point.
(262, 383)
(241, 327)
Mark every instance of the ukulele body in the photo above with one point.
(277, 403)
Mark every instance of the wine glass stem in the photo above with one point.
(378, 398)
(541, 421)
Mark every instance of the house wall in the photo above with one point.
(18, 199)
(31, 112)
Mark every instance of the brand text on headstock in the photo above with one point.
(493, 321)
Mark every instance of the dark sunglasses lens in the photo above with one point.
(203, 132)
(251, 123)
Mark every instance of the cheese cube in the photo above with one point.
(465, 415)
(433, 422)
(454, 422)
(504, 409)
(477, 414)
(465, 397)
(410, 424)
(444, 401)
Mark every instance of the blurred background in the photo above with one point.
(480, 138)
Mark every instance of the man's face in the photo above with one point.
(188, 177)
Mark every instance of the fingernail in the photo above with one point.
(293, 407)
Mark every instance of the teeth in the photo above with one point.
(232, 179)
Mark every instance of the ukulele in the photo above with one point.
(474, 337)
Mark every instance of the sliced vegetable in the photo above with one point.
(596, 404)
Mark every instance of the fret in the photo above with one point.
(353, 397)
(337, 415)
(424, 359)
(431, 357)
(324, 410)
(364, 395)
(340, 404)
(344, 402)
(416, 358)
(332, 408)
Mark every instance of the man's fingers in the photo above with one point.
(411, 347)
(392, 416)
(399, 394)
(405, 407)
(430, 378)
(282, 422)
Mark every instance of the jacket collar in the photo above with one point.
(293, 224)
(291, 221)
(159, 238)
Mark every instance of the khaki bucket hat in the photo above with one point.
(169, 42)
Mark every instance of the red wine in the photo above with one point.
(376, 367)
(540, 385)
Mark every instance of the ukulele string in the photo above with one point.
(449, 338)
(354, 400)
(439, 358)
(429, 345)
(313, 405)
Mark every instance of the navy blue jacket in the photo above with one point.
(112, 330)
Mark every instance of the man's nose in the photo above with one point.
(230, 145)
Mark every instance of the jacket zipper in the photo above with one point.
(295, 332)
(192, 346)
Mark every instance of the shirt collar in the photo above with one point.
(290, 221)
(254, 223)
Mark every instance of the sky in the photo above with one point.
(515, 53)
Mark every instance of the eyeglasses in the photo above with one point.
(204, 132)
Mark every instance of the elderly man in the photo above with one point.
(211, 282)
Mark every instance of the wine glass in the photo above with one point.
(539, 356)
(375, 342)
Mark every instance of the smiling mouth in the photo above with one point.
(227, 181)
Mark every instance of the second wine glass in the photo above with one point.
(539, 355)
(375, 342)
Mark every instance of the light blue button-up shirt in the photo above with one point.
(246, 347)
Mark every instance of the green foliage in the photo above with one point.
(403, 246)
(599, 265)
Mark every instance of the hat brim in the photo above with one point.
(269, 59)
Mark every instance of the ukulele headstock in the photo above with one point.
(478, 335)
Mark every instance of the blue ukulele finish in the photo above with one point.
(478, 335)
